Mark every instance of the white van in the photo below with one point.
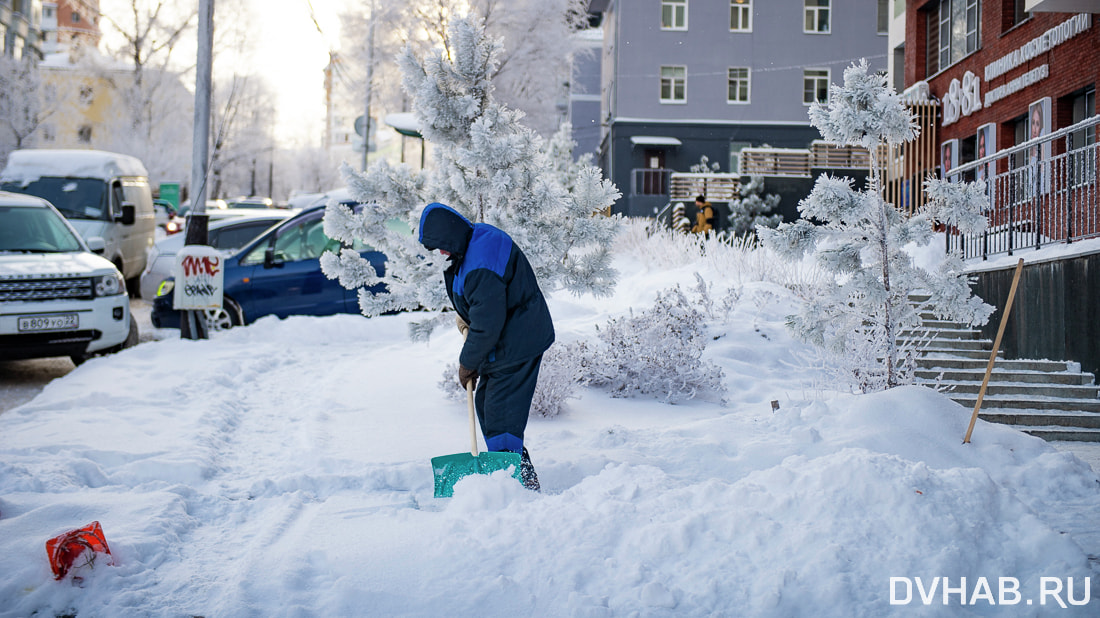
(104, 195)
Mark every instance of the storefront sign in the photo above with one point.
(1034, 75)
(963, 98)
(1039, 45)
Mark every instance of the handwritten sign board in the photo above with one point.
(199, 275)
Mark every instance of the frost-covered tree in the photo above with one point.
(860, 240)
(753, 209)
(488, 166)
(24, 103)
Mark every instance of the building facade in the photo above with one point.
(68, 24)
(683, 79)
(20, 27)
(1003, 74)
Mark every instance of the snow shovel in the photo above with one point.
(449, 469)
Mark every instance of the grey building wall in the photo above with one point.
(776, 50)
(584, 93)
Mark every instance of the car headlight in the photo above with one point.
(110, 285)
(165, 287)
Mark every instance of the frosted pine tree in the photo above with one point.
(752, 209)
(488, 166)
(861, 317)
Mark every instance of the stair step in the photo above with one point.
(1045, 419)
(1002, 402)
(936, 334)
(953, 353)
(947, 361)
(1067, 434)
(1088, 393)
(977, 374)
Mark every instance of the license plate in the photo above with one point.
(63, 321)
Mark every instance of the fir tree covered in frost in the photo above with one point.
(752, 209)
(862, 316)
(488, 166)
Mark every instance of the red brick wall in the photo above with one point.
(1073, 65)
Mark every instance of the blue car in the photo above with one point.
(278, 273)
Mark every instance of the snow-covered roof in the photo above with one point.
(654, 140)
(29, 165)
(404, 122)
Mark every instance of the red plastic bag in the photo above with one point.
(64, 549)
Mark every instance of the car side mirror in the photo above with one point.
(129, 214)
(97, 244)
(269, 259)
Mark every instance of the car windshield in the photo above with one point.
(76, 198)
(35, 230)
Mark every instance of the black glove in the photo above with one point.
(466, 375)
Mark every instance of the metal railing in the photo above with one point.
(1041, 192)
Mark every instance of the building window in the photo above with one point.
(952, 32)
(741, 15)
(738, 85)
(674, 15)
(815, 86)
(884, 16)
(86, 96)
(48, 135)
(1017, 13)
(673, 84)
(84, 134)
(76, 17)
(817, 16)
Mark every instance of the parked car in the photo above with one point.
(228, 235)
(104, 195)
(57, 297)
(250, 202)
(279, 274)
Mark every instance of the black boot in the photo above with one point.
(527, 472)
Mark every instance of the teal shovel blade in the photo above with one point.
(449, 469)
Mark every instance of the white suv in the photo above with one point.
(57, 297)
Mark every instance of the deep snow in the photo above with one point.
(283, 470)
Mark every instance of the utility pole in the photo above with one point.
(192, 324)
(370, 84)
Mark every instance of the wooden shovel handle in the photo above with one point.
(473, 418)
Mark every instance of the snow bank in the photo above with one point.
(283, 469)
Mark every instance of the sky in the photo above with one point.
(283, 469)
(292, 56)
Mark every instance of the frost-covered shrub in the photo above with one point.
(753, 209)
(656, 352)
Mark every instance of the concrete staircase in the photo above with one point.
(1053, 400)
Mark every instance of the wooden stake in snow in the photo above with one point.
(996, 346)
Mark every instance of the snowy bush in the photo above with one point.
(657, 352)
(752, 209)
(861, 314)
(488, 166)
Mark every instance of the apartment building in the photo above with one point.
(683, 79)
(20, 27)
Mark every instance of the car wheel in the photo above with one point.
(78, 359)
(133, 337)
(225, 318)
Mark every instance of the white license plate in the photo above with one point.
(62, 321)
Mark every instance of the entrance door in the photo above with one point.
(653, 182)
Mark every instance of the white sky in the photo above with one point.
(291, 54)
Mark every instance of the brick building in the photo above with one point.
(1003, 74)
